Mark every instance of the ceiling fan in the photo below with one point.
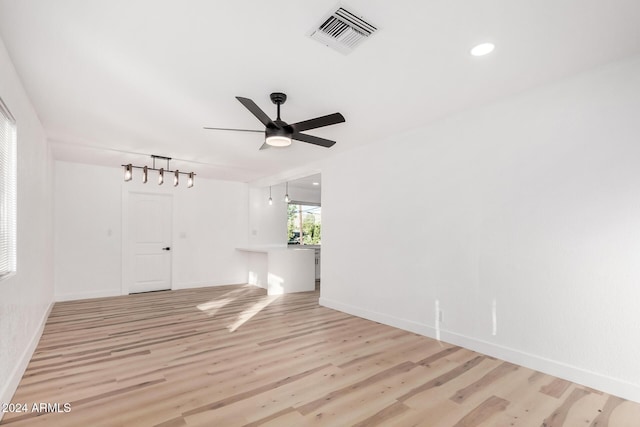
(279, 133)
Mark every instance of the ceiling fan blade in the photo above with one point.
(235, 130)
(313, 139)
(318, 122)
(256, 111)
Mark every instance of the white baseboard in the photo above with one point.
(191, 285)
(9, 389)
(87, 295)
(610, 385)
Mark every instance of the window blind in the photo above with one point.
(8, 195)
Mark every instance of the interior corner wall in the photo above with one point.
(209, 222)
(519, 220)
(26, 297)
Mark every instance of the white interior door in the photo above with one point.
(149, 231)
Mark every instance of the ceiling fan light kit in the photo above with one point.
(278, 133)
(278, 141)
(128, 172)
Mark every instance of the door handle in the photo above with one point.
(168, 248)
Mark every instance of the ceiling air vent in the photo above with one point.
(342, 31)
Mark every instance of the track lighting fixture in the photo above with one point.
(128, 172)
(270, 199)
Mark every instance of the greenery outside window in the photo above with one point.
(304, 224)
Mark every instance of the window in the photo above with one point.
(8, 160)
(304, 224)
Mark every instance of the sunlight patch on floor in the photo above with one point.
(212, 307)
(247, 314)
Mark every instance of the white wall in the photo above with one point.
(531, 206)
(87, 231)
(267, 223)
(209, 222)
(26, 297)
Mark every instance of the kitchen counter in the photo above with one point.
(281, 269)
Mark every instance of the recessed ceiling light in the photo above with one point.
(316, 183)
(482, 49)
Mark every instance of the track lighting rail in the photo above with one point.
(128, 172)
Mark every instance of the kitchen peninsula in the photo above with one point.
(281, 270)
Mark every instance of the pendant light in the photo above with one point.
(145, 174)
(190, 180)
(270, 199)
(176, 178)
(286, 195)
(161, 176)
(128, 172)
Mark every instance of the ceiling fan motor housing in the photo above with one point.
(278, 98)
(279, 136)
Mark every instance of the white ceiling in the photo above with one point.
(108, 78)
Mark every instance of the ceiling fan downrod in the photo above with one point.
(278, 98)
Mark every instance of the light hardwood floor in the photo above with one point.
(227, 356)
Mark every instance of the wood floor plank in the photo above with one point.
(555, 388)
(384, 416)
(558, 417)
(626, 414)
(442, 379)
(483, 412)
(233, 356)
(317, 403)
(495, 374)
(602, 419)
(586, 409)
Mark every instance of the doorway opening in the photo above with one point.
(304, 217)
